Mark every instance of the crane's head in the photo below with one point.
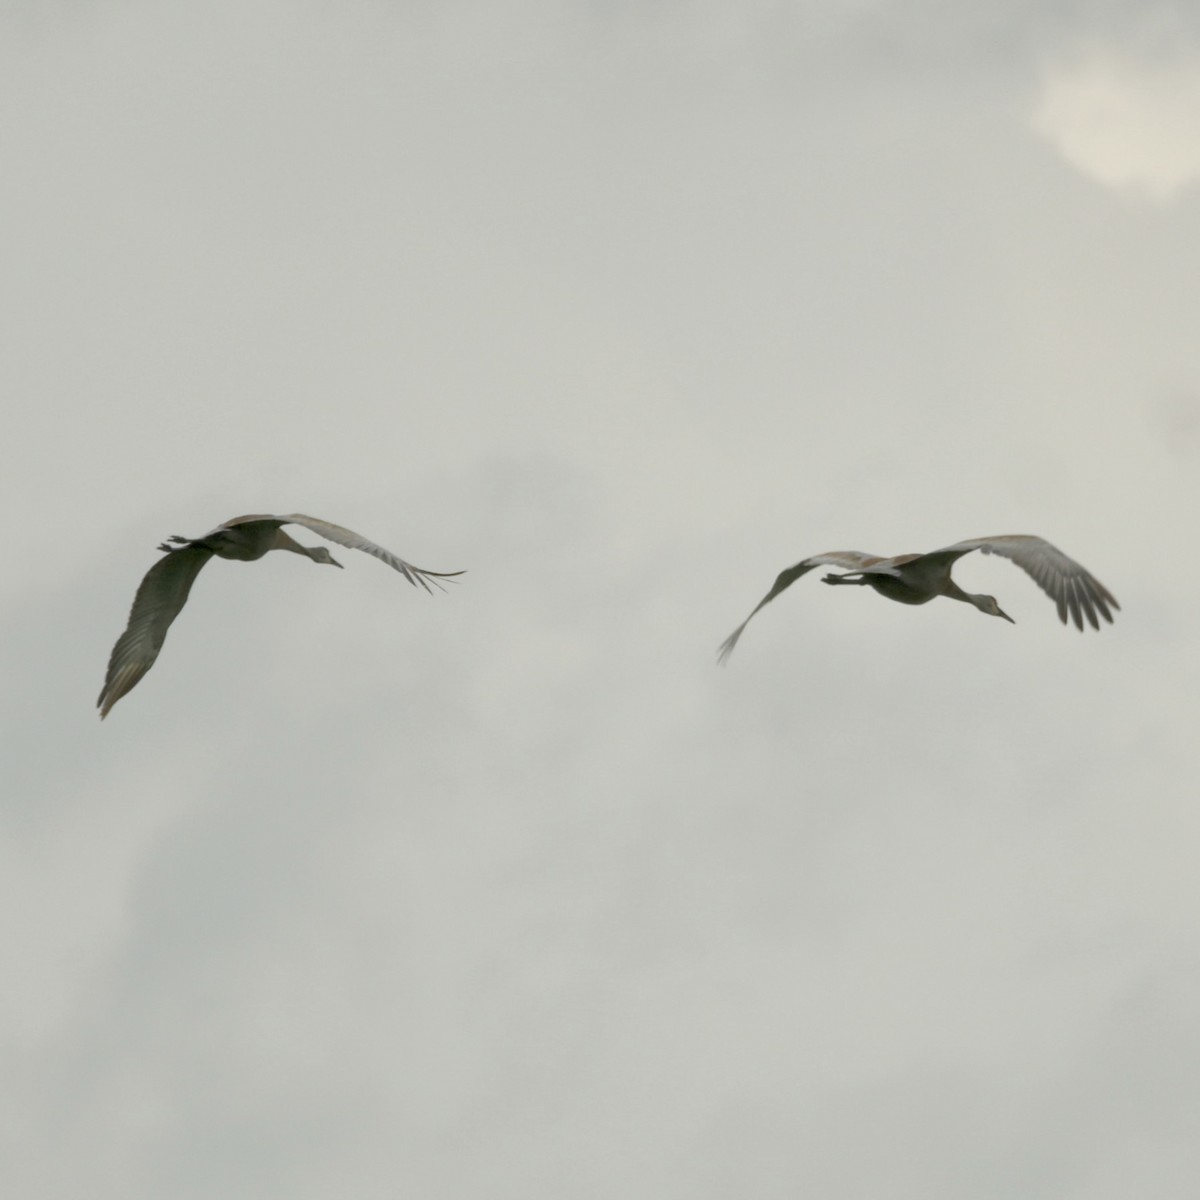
(988, 605)
(321, 555)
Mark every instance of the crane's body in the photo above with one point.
(164, 590)
(919, 578)
(891, 586)
(246, 539)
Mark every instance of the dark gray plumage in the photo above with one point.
(164, 590)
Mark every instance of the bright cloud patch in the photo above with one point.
(1129, 123)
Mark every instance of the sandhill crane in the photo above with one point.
(918, 578)
(164, 590)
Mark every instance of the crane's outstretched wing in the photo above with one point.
(1073, 589)
(355, 541)
(160, 596)
(850, 559)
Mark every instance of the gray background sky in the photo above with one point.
(511, 892)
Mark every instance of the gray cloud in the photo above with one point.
(512, 891)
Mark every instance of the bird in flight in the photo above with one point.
(918, 578)
(164, 590)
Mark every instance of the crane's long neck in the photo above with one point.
(319, 554)
(985, 604)
(284, 542)
(951, 589)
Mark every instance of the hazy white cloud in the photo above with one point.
(1127, 120)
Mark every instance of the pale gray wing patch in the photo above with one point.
(250, 517)
(852, 560)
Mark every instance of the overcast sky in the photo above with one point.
(511, 892)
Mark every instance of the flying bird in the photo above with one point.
(164, 590)
(918, 578)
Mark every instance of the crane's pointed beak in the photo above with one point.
(334, 562)
(1001, 613)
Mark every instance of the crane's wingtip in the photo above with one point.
(419, 577)
(725, 649)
